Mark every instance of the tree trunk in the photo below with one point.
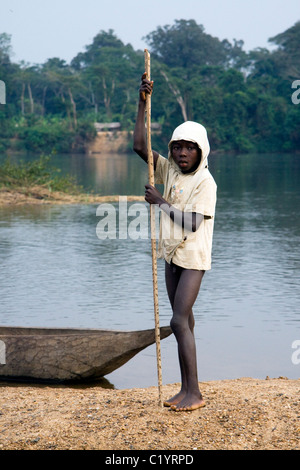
(67, 109)
(30, 98)
(107, 98)
(22, 100)
(73, 107)
(44, 99)
(177, 95)
(93, 100)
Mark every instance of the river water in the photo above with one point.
(56, 271)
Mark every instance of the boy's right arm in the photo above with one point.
(139, 136)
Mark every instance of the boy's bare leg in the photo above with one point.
(183, 287)
(172, 276)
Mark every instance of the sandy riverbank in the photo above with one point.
(242, 414)
(41, 195)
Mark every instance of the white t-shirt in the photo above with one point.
(191, 192)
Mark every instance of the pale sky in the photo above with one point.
(62, 28)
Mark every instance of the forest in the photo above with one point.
(243, 98)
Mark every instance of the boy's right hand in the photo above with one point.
(146, 87)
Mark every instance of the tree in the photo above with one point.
(5, 48)
(186, 45)
(27, 78)
(184, 53)
(108, 69)
(244, 99)
(287, 55)
(64, 82)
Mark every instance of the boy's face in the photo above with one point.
(186, 155)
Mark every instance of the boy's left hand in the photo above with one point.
(152, 195)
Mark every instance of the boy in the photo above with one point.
(186, 230)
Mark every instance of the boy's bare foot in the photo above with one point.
(189, 403)
(176, 399)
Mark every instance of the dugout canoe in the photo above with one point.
(68, 354)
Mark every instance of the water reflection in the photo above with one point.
(103, 174)
(54, 271)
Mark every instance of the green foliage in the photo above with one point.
(54, 134)
(244, 99)
(35, 173)
(185, 45)
(45, 135)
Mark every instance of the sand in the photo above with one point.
(241, 414)
(41, 195)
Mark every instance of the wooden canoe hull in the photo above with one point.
(68, 355)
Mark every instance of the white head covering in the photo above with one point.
(192, 132)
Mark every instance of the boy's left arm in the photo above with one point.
(188, 220)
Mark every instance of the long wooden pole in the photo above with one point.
(153, 231)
